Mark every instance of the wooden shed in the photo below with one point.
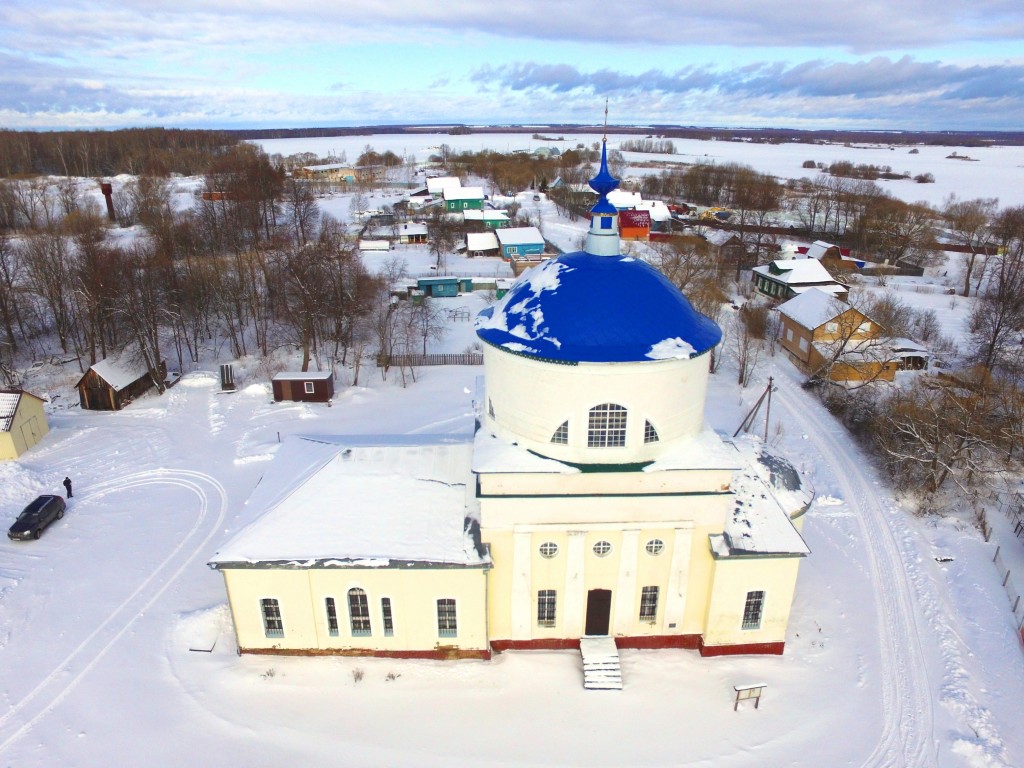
(113, 382)
(22, 422)
(303, 386)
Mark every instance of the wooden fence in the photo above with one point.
(415, 361)
(1016, 604)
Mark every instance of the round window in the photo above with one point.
(548, 549)
(655, 547)
(602, 548)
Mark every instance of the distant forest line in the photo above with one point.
(161, 151)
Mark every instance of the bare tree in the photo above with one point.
(997, 320)
(968, 223)
(937, 433)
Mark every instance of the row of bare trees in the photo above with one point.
(252, 265)
(155, 151)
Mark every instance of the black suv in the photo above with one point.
(36, 516)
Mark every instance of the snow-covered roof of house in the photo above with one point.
(818, 248)
(440, 183)
(475, 214)
(481, 241)
(585, 308)
(327, 167)
(119, 371)
(622, 198)
(463, 193)
(813, 308)
(769, 492)
(658, 210)
(302, 376)
(904, 347)
(795, 271)
(374, 245)
(414, 228)
(832, 288)
(360, 502)
(718, 236)
(519, 236)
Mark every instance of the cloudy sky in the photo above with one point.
(902, 64)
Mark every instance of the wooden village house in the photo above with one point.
(825, 336)
(785, 278)
(113, 382)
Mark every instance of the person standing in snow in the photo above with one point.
(67, 486)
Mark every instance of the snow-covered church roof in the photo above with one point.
(345, 503)
(596, 305)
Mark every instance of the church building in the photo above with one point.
(591, 502)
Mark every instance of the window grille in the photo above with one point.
(447, 625)
(561, 435)
(389, 622)
(655, 547)
(753, 609)
(650, 433)
(548, 549)
(546, 608)
(273, 626)
(332, 617)
(602, 548)
(358, 612)
(607, 426)
(649, 604)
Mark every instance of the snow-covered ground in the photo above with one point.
(991, 172)
(892, 657)
(902, 650)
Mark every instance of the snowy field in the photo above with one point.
(902, 650)
(992, 172)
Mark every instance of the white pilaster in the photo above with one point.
(625, 589)
(574, 601)
(678, 578)
(522, 601)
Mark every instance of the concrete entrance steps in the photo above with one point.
(601, 670)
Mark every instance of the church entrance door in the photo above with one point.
(599, 608)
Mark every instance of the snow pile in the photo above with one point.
(670, 349)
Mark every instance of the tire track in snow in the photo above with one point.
(53, 688)
(907, 732)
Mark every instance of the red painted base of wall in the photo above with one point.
(553, 644)
(442, 654)
(649, 642)
(656, 642)
(759, 649)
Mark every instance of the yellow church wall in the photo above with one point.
(562, 484)
(672, 399)
(506, 511)
(701, 572)
(514, 583)
(732, 579)
(301, 596)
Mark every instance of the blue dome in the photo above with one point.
(601, 309)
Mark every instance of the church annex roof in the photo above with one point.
(585, 308)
